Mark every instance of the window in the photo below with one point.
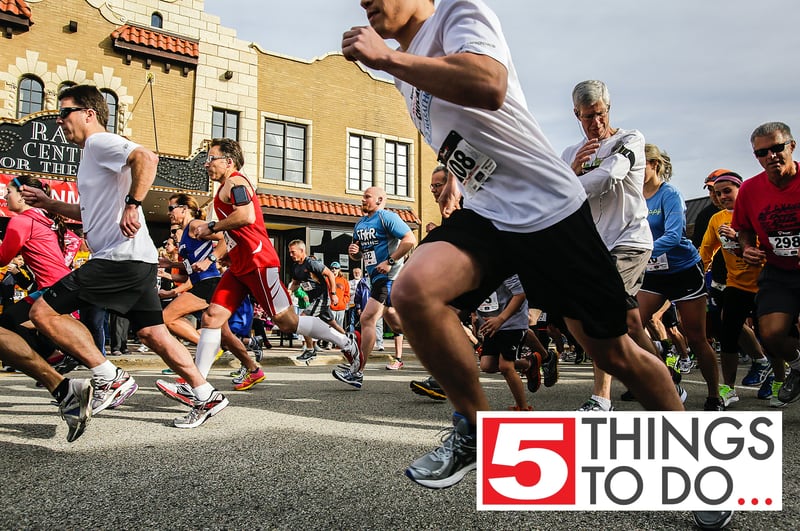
(156, 20)
(396, 168)
(30, 97)
(284, 151)
(225, 124)
(111, 100)
(360, 157)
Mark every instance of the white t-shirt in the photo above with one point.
(104, 179)
(531, 188)
(614, 188)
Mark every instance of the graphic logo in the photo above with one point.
(682, 461)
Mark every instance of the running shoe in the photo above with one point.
(142, 348)
(682, 394)
(550, 369)
(395, 365)
(178, 391)
(449, 463)
(250, 379)
(167, 371)
(239, 374)
(307, 355)
(627, 396)
(356, 379)
(106, 392)
(593, 405)
(428, 387)
(758, 373)
(775, 401)
(66, 364)
(122, 397)
(580, 357)
(790, 390)
(684, 365)
(712, 519)
(76, 408)
(714, 403)
(220, 352)
(257, 347)
(352, 351)
(533, 375)
(202, 410)
(728, 395)
(765, 391)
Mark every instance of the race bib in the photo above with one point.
(307, 286)
(489, 305)
(468, 164)
(730, 244)
(785, 242)
(658, 263)
(369, 258)
(230, 243)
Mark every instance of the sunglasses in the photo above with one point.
(777, 148)
(173, 207)
(212, 158)
(66, 111)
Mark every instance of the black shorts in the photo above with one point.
(778, 291)
(127, 288)
(670, 317)
(381, 291)
(319, 308)
(506, 343)
(583, 284)
(685, 285)
(205, 288)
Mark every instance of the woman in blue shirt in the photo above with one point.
(675, 271)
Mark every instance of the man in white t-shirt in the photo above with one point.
(455, 72)
(114, 176)
(609, 163)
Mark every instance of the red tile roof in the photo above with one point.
(156, 39)
(15, 7)
(326, 207)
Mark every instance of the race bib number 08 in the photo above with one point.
(469, 165)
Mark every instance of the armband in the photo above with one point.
(627, 153)
(239, 195)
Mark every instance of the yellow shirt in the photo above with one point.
(741, 275)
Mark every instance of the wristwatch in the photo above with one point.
(212, 257)
(211, 225)
(129, 200)
(391, 261)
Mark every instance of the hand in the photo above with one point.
(353, 249)
(450, 197)
(163, 261)
(584, 155)
(201, 231)
(34, 197)
(753, 255)
(430, 226)
(129, 224)
(334, 299)
(198, 268)
(362, 43)
(727, 231)
(490, 326)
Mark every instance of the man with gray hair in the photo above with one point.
(767, 219)
(609, 163)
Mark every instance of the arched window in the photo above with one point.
(156, 20)
(30, 97)
(111, 100)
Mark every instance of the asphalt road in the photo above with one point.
(299, 451)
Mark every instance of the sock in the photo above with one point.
(207, 348)
(61, 392)
(457, 418)
(317, 328)
(763, 360)
(105, 371)
(203, 392)
(605, 403)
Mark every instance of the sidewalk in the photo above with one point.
(276, 356)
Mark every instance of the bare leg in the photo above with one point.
(17, 353)
(69, 333)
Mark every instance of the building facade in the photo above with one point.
(315, 133)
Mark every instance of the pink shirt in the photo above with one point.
(30, 234)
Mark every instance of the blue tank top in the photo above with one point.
(195, 250)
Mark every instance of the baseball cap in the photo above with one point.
(335, 265)
(718, 173)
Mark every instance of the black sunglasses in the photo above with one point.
(173, 207)
(63, 112)
(777, 148)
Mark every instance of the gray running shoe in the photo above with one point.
(307, 355)
(257, 347)
(352, 351)
(239, 375)
(202, 410)
(356, 379)
(76, 408)
(790, 391)
(550, 369)
(108, 392)
(179, 391)
(712, 519)
(448, 464)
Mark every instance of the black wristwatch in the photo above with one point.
(390, 261)
(211, 225)
(129, 200)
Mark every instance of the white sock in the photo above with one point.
(319, 329)
(605, 403)
(106, 371)
(207, 348)
(203, 392)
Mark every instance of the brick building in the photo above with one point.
(314, 133)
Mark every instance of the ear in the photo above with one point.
(380, 200)
(577, 114)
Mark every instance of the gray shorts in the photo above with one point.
(631, 263)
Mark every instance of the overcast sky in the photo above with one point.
(695, 76)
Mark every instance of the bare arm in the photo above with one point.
(37, 198)
(467, 79)
(143, 164)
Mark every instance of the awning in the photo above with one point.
(66, 191)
